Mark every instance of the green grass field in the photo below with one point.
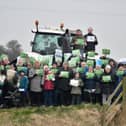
(82, 115)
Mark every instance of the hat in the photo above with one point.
(108, 66)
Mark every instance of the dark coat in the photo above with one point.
(108, 87)
(64, 43)
(63, 83)
(89, 83)
(90, 45)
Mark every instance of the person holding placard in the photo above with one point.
(108, 81)
(91, 40)
(63, 87)
(36, 85)
(48, 86)
(120, 73)
(78, 42)
(89, 85)
(76, 83)
(98, 93)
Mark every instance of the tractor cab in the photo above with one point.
(46, 39)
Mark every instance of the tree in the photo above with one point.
(12, 49)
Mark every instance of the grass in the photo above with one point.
(80, 115)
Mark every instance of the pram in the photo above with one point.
(12, 99)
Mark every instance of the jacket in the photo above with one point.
(78, 89)
(48, 84)
(90, 43)
(90, 83)
(64, 43)
(24, 83)
(108, 87)
(63, 83)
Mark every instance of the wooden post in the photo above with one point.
(124, 91)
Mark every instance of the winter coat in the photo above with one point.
(35, 81)
(64, 42)
(78, 89)
(90, 83)
(90, 44)
(107, 87)
(48, 84)
(24, 83)
(63, 83)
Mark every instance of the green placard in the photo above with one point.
(32, 60)
(120, 73)
(64, 74)
(1, 67)
(91, 54)
(7, 67)
(4, 56)
(80, 41)
(72, 63)
(79, 69)
(39, 72)
(106, 78)
(99, 72)
(90, 62)
(19, 68)
(75, 59)
(23, 55)
(50, 77)
(90, 75)
(54, 70)
(106, 51)
(76, 52)
(104, 61)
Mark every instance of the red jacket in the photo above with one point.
(48, 84)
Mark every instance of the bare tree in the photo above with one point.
(12, 49)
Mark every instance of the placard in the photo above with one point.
(74, 83)
(90, 39)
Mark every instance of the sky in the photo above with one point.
(107, 17)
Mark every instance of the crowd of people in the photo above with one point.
(80, 79)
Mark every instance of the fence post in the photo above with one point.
(124, 91)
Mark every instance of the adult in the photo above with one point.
(35, 85)
(64, 42)
(79, 42)
(63, 87)
(107, 81)
(91, 40)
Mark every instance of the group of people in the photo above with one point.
(73, 81)
(84, 43)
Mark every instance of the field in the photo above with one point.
(81, 115)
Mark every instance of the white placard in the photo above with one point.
(74, 83)
(58, 53)
(21, 90)
(90, 38)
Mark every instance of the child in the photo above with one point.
(76, 84)
(23, 87)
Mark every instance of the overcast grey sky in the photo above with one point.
(107, 17)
